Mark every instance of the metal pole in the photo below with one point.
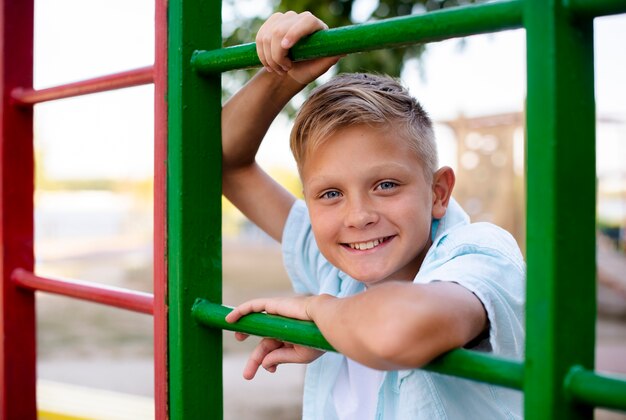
(194, 211)
(560, 309)
(160, 213)
(17, 306)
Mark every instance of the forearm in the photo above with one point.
(247, 116)
(396, 325)
(360, 327)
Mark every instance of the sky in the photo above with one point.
(110, 134)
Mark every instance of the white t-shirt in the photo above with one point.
(355, 394)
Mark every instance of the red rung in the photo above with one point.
(107, 295)
(141, 76)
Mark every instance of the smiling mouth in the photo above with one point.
(363, 246)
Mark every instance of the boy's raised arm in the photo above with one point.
(247, 116)
(245, 120)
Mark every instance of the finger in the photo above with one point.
(279, 55)
(267, 52)
(260, 51)
(264, 38)
(270, 34)
(279, 356)
(290, 354)
(239, 336)
(255, 360)
(233, 316)
(278, 52)
(306, 25)
(254, 305)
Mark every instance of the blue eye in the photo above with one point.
(329, 195)
(387, 185)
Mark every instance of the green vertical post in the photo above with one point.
(193, 211)
(560, 311)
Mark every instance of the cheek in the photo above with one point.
(416, 214)
(322, 225)
(325, 234)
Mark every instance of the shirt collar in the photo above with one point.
(455, 215)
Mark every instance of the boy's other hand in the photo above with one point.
(281, 32)
(270, 352)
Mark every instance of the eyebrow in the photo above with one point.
(325, 179)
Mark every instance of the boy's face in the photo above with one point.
(370, 204)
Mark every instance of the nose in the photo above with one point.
(360, 213)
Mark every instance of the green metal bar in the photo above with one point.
(596, 8)
(597, 390)
(480, 367)
(194, 211)
(463, 363)
(560, 308)
(428, 27)
(580, 384)
(291, 330)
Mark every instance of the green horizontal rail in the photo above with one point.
(285, 329)
(582, 385)
(405, 30)
(595, 389)
(433, 26)
(463, 363)
(596, 8)
(480, 367)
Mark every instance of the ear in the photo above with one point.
(443, 183)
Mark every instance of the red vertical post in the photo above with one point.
(160, 212)
(17, 306)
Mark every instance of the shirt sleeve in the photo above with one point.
(306, 266)
(486, 260)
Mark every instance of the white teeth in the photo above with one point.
(362, 246)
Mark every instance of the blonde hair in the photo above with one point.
(358, 98)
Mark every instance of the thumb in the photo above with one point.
(305, 72)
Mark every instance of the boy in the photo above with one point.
(390, 268)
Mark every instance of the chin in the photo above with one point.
(368, 278)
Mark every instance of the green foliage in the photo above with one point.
(338, 13)
(240, 27)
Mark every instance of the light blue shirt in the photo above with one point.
(481, 257)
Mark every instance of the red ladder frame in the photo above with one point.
(19, 282)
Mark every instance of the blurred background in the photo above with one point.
(95, 166)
